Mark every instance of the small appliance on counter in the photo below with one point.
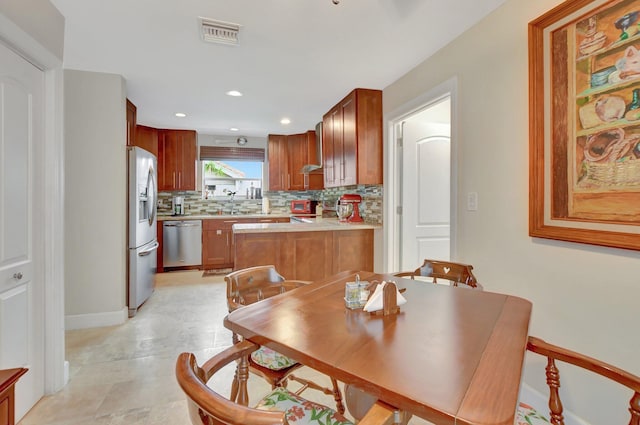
(347, 208)
(303, 206)
(177, 205)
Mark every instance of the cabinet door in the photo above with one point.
(167, 160)
(331, 131)
(310, 254)
(277, 154)
(352, 250)
(215, 248)
(349, 148)
(297, 149)
(147, 139)
(187, 159)
(177, 159)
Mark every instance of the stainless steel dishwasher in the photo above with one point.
(182, 243)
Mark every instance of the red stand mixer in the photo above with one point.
(347, 208)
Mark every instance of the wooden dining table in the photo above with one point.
(450, 356)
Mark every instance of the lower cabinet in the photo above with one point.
(218, 242)
(306, 255)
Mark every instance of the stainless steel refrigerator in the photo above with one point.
(142, 231)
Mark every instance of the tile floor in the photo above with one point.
(125, 374)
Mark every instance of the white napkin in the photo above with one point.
(376, 299)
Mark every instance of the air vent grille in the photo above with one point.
(218, 31)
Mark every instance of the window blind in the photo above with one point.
(217, 153)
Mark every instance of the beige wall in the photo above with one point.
(95, 197)
(584, 297)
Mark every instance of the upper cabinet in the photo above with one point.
(131, 123)
(147, 138)
(352, 140)
(177, 154)
(287, 155)
(278, 166)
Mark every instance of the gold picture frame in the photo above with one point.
(584, 123)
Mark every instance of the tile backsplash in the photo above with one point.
(370, 209)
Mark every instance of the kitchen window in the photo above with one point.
(231, 172)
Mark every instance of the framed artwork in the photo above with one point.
(584, 123)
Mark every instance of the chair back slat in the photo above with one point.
(456, 273)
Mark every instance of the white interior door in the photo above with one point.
(21, 288)
(426, 185)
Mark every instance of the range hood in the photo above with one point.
(306, 169)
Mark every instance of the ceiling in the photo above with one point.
(295, 58)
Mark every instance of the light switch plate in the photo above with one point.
(472, 201)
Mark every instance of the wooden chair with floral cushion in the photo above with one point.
(247, 286)
(455, 273)
(280, 406)
(527, 415)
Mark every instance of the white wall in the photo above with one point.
(43, 23)
(95, 204)
(584, 297)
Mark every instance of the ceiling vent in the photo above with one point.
(218, 31)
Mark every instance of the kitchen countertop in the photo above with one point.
(216, 216)
(326, 224)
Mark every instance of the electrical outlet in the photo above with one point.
(472, 201)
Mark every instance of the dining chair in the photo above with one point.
(208, 407)
(252, 284)
(455, 273)
(527, 415)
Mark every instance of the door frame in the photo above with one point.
(48, 225)
(393, 156)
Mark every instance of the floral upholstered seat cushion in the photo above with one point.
(527, 415)
(300, 411)
(270, 359)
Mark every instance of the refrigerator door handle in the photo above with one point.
(150, 250)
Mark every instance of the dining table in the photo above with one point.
(451, 355)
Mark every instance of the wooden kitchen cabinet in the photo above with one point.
(177, 154)
(287, 155)
(218, 246)
(306, 255)
(352, 140)
(278, 165)
(147, 139)
(132, 112)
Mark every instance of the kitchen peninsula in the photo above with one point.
(306, 251)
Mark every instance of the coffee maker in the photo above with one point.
(177, 205)
(354, 200)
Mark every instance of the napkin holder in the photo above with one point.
(389, 300)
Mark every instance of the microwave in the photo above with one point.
(303, 206)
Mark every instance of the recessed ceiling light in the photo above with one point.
(233, 129)
(181, 114)
(234, 93)
(285, 121)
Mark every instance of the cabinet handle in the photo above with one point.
(174, 179)
(17, 276)
(179, 179)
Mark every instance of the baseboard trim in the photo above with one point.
(95, 320)
(540, 402)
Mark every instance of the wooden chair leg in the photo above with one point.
(337, 395)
